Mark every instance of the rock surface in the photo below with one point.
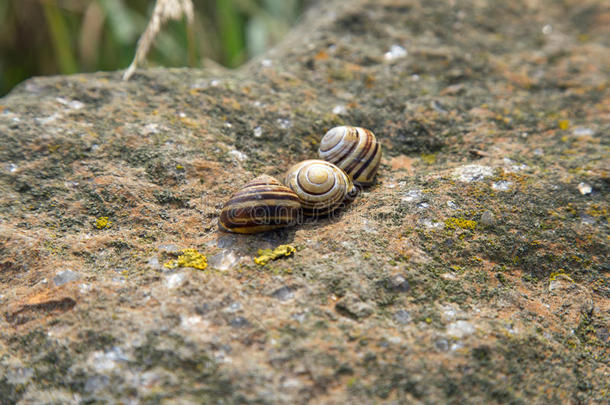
(433, 286)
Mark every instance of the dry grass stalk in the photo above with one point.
(164, 10)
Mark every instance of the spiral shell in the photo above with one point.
(353, 149)
(261, 205)
(321, 186)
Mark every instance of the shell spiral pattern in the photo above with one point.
(353, 149)
(321, 186)
(261, 205)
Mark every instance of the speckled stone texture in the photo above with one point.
(474, 271)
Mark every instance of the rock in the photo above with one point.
(174, 280)
(470, 173)
(283, 293)
(402, 317)
(463, 277)
(584, 188)
(65, 276)
(502, 185)
(352, 307)
(460, 329)
(96, 383)
(487, 218)
(239, 322)
(442, 344)
(224, 260)
(398, 283)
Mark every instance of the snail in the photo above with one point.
(321, 186)
(353, 149)
(261, 205)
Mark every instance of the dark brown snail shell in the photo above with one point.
(261, 205)
(353, 149)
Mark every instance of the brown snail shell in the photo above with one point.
(261, 205)
(353, 149)
(321, 186)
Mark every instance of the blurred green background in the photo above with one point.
(44, 37)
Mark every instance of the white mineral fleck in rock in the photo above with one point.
(224, 260)
(72, 104)
(584, 188)
(423, 205)
(153, 263)
(84, 288)
(47, 120)
(168, 247)
(412, 196)
(395, 52)
(192, 322)
(470, 173)
(175, 280)
(238, 155)
(106, 361)
(149, 129)
(514, 167)
(449, 313)
(456, 346)
(431, 224)
(582, 131)
(502, 185)
(65, 276)
(339, 109)
(233, 307)
(460, 329)
(284, 123)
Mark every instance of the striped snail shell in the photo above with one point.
(321, 186)
(353, 149)
(261, 205)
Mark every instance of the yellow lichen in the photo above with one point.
(455, 223)
(560, 275)
(188, 258)
(429, 158)
(266, 255)
(563, 124)
(102, 223)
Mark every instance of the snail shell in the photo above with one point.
(353, 149)
(261, 205)
(321, 186)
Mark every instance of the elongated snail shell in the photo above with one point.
(353, 149)
(321, 186)
(261, 205)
